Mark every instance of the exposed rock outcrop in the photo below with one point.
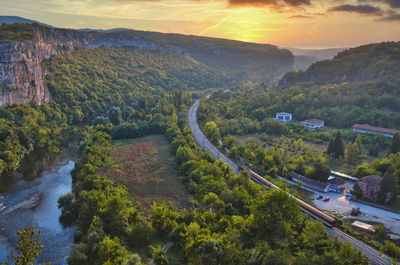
(21, 74)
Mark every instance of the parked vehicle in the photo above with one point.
(327, 199)
(335, 188)
(355, 211)
(320, 197)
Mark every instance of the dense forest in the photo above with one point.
(340, 106)
(250, 62)
(27, 128)
(15, 32)
(87, 83)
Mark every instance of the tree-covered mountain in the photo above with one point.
(303, 58)
(15, 32)
(302, 62)
(88, 82)
(252, 61)
(369, 62)
(319, 54)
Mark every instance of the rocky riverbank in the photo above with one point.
(29, 202)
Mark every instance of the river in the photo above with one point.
(42, 193)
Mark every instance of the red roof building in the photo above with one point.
(370, 185)
(368, 129)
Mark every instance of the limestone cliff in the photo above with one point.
(21, 74)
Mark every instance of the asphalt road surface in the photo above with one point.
(203, 142)
(372, 254)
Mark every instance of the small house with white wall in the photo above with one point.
(283, 117)
(313, 124)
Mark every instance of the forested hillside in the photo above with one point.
(341, 105)
(369, 62)
(15, 32)
(250, 61)
(88, 82)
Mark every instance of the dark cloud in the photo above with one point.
(273, 3)
(395, 17)
(391, 3)
(360, 9)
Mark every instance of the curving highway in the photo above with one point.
(202, 141)
(372, 254)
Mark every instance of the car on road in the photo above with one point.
(320, 197)
(326, 199)
(355, 211)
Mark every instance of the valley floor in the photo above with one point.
(147, 168)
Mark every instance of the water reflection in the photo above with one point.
(45, 216)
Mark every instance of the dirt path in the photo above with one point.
(165, 247)
(168, 246)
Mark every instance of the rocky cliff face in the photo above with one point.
(21, 74)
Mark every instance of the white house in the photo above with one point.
(283, 117)
(313, 124)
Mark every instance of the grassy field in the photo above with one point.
(147, 168)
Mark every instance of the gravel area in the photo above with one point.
(339, 204)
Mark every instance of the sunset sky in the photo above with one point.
(287, 23)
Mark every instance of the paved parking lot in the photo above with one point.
(339, 204)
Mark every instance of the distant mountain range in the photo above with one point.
(16, 19)
(303, 58)
(319, 54)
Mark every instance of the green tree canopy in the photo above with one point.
(395, 144)
(336, 147)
